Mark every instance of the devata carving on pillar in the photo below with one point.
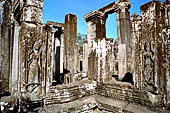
(33, 86)
(149, 68)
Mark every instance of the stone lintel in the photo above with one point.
(93, 15)
(55, 24)
(109, 8)
(115, 6)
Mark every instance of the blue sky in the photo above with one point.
(55, 10)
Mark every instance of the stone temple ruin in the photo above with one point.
(44, 70)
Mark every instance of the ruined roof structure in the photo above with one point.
(43, 69)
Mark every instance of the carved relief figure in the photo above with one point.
(148, 67)
(33, 86)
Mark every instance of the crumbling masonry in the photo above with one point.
(44, 69)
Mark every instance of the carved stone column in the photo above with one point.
(124, 38)
(95, 31)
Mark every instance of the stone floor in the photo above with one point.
(98, 104)
(119, 106)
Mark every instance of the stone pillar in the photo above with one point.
(135, 34)
(5, 45)
(124, 38)
(62, 51)
(167, 12)
(168, 67)
(70, 39)
(30, 50)
(85, 56)
(95, 31)
(167, 32)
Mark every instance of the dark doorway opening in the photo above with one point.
(81, 65)
(57, 61)
(128, 78)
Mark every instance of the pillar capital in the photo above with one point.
(123, 5)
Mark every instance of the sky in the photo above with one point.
(55, 10)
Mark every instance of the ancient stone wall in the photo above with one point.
(104, 54)
(100, 60)
(151, 49)
(124, 38)
(70, 92)
(127, 92)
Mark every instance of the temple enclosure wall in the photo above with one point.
(48, 68)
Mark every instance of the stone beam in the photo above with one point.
(55, 24)
(109, 8)
(114, 6)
